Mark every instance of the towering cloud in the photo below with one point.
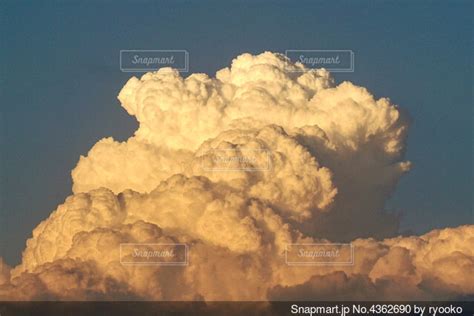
(237, 167)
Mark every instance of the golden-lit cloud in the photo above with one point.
(237, 167)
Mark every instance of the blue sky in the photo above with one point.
(60, 76)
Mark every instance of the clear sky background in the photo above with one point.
(60, 75)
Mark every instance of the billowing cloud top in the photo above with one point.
(237, 167)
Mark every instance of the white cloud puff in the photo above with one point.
(265, 154)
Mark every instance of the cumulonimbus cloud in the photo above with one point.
(320, 161)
